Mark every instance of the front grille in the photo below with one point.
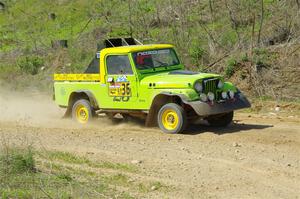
(211, 85)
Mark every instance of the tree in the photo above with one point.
(262, 13)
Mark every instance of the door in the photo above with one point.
(121, 82)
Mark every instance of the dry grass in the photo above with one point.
(26, 173)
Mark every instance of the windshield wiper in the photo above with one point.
(144, 67)
(161, 63)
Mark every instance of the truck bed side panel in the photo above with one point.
(63, 90)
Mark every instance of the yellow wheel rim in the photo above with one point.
(82, 114)
(170, 119)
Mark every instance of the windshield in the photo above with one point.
(155, 58)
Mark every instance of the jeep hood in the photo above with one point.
(176, 79)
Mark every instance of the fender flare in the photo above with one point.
(159, 100)
(91, 97)
(183, 97)
(72, 99)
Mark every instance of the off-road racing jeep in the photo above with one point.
(129, 79)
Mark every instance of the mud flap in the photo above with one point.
(68, 113)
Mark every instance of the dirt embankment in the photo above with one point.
(255, 157)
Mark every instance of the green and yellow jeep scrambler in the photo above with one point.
(147, 81)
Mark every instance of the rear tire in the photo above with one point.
(221, 120)
(82, 111)
(172, 118)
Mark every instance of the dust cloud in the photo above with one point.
(32, 108)
(28, 107)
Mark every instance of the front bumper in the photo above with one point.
(205, 109)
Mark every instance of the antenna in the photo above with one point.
(137, 41)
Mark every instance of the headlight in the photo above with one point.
(231, 94)
(224, 95)
(203, 97)
(220, 84)
(198, 87)
(210, 96)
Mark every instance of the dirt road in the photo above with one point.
(258, 156)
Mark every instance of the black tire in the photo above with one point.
(82, 106)
(176, 127)
(220, 120)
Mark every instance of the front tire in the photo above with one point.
(82, 111)
(221, 120)
(172, 118)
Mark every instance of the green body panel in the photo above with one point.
(229, 86)
(165, 80)
(143, 93)
(143, 101)
(143, 86)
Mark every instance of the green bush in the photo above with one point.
(79, 59)
(260, 51)
(17, 161)
(196, 52)
(30, 64)
(261, 57)
(245, 58)
(228, 38)
(8, 194)
(65, 176)
(230, 68)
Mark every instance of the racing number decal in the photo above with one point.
(125, 89)
(121, 89)
(121, 99)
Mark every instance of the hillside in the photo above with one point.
(110, 152)
(255, 44)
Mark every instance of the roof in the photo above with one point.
(135, 48)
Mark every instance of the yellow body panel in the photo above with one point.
(76, 77)
(103, 54)
(125, 50)
(135, 48)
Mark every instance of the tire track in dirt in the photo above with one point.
(199, 163)
(256, 157)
